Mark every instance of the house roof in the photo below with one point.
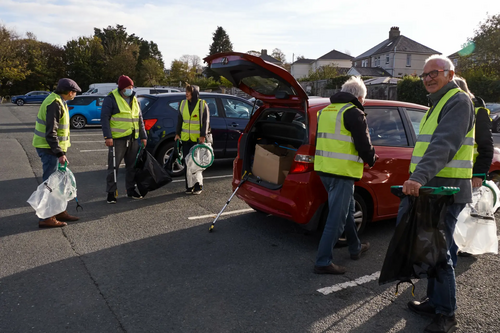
(303, 61)
(381, 80)
(268, 58)
(334, 54)
(371, 71)
(397, 44)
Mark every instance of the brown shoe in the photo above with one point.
(64, 216)
(51, 223)
(330, 269)
(364, 248)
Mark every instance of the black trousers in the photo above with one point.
(124, 149)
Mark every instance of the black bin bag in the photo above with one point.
(418, 247)
(149, 174)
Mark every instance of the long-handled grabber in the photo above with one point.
(243, 179)
(114, 171)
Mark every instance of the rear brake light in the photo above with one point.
(71, 107)
(302, 163)
(148, 123)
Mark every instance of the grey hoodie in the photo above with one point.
(455, 121)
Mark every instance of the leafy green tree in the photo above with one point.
(411, 89)
(278, 55)
(179, 73)
(85, 60)
(220, 43)
(12, 67)
(322, 73)
(152, 73)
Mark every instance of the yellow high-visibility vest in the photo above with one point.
(191, 124)
(127, 120)
(461, 164)
(39, 140)
(335, 150)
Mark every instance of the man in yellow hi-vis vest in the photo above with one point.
(442, 157)
(343, 145)
(122, 125)
(193, 126)
(51, 138)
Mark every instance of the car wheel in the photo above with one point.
(78, 121)
(20, 102)
(360, 217)
(164, 153)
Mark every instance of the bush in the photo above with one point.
(412, 90)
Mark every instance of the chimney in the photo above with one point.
(394, 32)
(263, 52)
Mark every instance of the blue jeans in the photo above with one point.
(49, 163)
(442, 290)
(340, 217)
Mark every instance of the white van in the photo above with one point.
(154, 90)
(101, 88)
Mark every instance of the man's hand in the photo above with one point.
(368, 166)
(411, 187)
(144, 142)
(63, 160)
(477, 182)
(202, 139)
(177, 137)
(109, 142)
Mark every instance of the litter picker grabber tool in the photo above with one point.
(243, 179)
(114, 171)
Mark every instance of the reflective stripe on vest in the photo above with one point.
(39, 139)
(475, 144)
(335, 150)
(191, 124)
(127, 120)
(461, 164)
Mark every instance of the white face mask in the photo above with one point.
(128, 92)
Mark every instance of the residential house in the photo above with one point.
(398, 56)
(268, 58)
(302, 67)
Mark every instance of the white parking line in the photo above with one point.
(72, 135)
(213, 177)
(354, 283)
(226, 213)
(91, 150)
(87, 141)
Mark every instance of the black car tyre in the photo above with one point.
(360, 218)
(78, 121)
(20, 102)
(162, 155)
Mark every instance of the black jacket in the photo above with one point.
(355, 122)
(109, 108)
(483, 138)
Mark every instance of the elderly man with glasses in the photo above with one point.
(442, 157)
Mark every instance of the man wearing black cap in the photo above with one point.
(122, 125)
(51, 138)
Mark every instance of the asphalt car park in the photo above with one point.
(152, 266)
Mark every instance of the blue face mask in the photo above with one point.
(128, 92)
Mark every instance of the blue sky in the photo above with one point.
(297, 27)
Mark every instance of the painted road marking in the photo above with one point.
(345, 285)
(87, 141)
(213, 177)
(92, 150)
(226, 213)
(72, 135)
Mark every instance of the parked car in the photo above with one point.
(228, 117)
(101, 88)
(85, 109)
(495, 116)
(288, 118)
(154, 90)
(30, 98)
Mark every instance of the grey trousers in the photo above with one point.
(124, 149)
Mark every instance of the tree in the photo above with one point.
(278, 55)
(481, 51)
(12, 68)
(85, 60)
(151, 73)
(179, 72)
(411, 89)
(220, 43)
(322, 73)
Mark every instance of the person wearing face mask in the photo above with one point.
(122, 125)
(51, 138)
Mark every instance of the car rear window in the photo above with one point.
(145, 102)
(267, 85)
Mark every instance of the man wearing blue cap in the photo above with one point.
(51, 138)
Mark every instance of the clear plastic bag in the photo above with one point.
(476, 229)
(203, 156)
(52, 196)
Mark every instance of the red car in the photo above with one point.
(287, 120)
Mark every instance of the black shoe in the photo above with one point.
(464, 254)
(364, 248)
(442, 324)
(197, 188)
(423, 308)
(111, 198)
(133, 194)
(330, 269)
(189, 190)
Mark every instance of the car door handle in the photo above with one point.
(234, 124)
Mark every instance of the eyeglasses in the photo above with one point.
(433, 74)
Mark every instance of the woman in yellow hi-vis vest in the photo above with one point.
(51, 138)
(193, 126)
(122, 125)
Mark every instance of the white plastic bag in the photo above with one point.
(194, 171)
(52, 196)
(476, 229)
